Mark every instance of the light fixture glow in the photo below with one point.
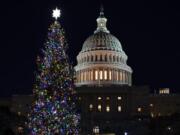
(56, 13)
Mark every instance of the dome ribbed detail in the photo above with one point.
(102, 41)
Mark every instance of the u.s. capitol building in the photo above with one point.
(107, 98)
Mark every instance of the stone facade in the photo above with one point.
(106, 107)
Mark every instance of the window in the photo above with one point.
(19, 113)
(91, 75)
(96, 75)
(85, 76)
(105, 75)
(120, 76)
(119, 97)
(117, 59)
(90, 107)
(123, 76)
(107, 98)
(152, 115)
(113, 58)
(164, 91)
(100, 57)
(117, 76)
(91, 58)
(101, 74)
(139, 109)
(96, 58)
(110, 58)
(99, 98)
(107, 108)
(110, 75)
(119, 109)
(99, 108)
(87, 58)
(105, 57)
(81, 76)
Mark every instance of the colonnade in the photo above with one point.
(113, 75)
(101, 58)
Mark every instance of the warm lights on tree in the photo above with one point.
(53, 109)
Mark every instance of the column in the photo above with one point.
(88, 76)
(119, 76)
(80, 75)
(130, 79)
(108, 74)
(112, 74)
(122, 76)
(77, 76)
(125, 77)
(103, 74)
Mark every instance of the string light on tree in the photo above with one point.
(54, 104)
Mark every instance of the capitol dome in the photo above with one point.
(102, 41)
(102, 61)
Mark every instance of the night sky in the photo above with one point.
(149, 31)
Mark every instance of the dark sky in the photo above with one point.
(149, 31)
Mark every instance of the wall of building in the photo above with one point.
(164, 104)
(108, 106)
(21, 104)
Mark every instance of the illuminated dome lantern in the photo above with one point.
(102, 61)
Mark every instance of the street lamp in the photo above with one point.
(125, 133)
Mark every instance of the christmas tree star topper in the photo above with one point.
(56, 13)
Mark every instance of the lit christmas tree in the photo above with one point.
(54, 106)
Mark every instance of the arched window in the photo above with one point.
(91, 58)
(96, 58)
(90, 107)
(100, 74)
(117, 58)
(105, 58)
(91, 75)
(99, 108)
(117, 76)
(85, 75)
(101, 57)
(107, 108)
(96, 75)
(113, 58)
(87, 58)
(119, 108)
(110, 58)
(81, 76)
(120, 75)
(105, 75)
(110, 75)
(123, 76)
